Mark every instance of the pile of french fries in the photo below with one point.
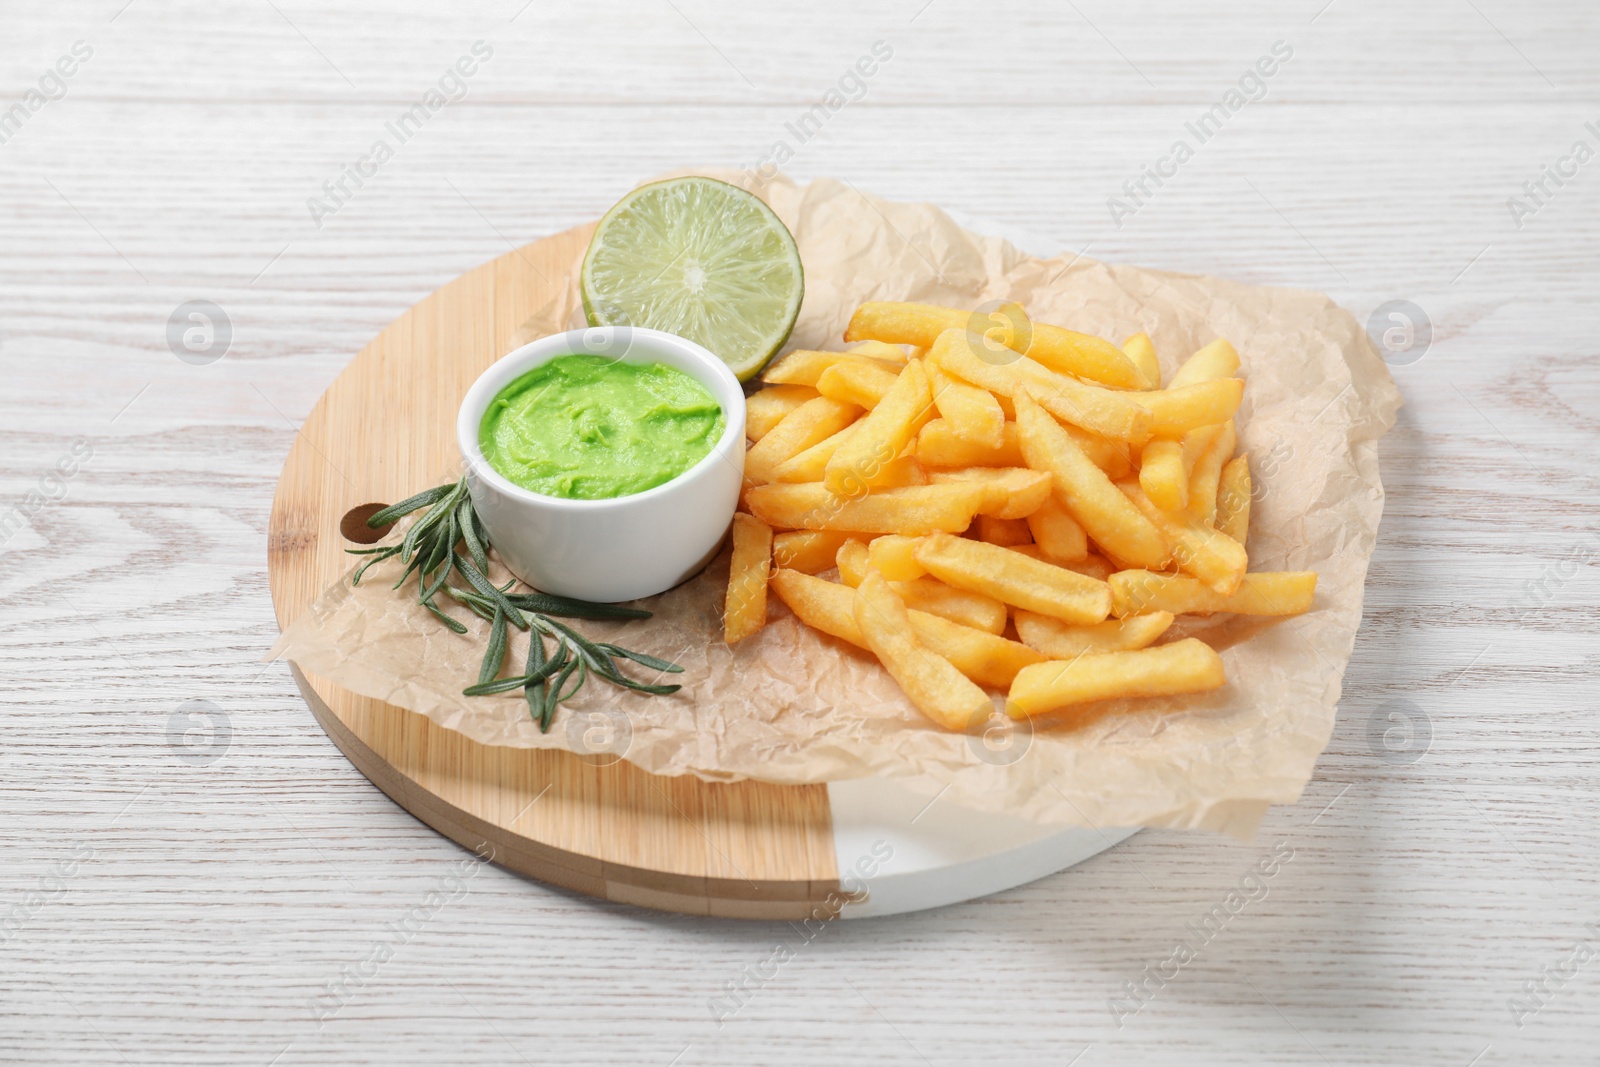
(1008, 504)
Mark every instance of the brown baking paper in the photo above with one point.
(792, 706)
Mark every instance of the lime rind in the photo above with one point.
(701, 259)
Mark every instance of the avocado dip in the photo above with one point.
(591, 428)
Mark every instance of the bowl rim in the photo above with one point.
(714, 375)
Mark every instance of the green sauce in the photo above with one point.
(590, 428)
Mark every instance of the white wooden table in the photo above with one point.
(232, 894)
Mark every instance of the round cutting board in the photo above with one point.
(747, 849)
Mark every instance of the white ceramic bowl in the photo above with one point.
(628, 546)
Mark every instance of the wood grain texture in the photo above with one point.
(222, 896)
(387, 425)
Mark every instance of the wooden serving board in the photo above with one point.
(747, 849)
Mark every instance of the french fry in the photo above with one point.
(880, 350)
(1092, 566)
(914, 510)
(745, 609)
(885, 431)
(807, 551)
(986, 658)
(1014, 578)
(933, 684)
(1121, 416)
(928, 594)
(893, 556)
(1059, 349)
(803, 427)
(1197, 547)
(808, 466)
(1233, 499)
(856, 382)
(1173, 412)
(765, 409)
(898, 473)
(1187, 666)
(1056, 532)
(1215, 360)
(939, 445)
(1085, 492)
(1138, 592)
(1058, 640)
(1143, 353)
(854, 560)
(962, 606)
(1162, 474)
(1013, 492)
(972, 413)
(804, 367)
(1207, 474)
(1003, 532)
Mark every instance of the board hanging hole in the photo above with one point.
(353, 527)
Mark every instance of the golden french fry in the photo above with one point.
(1233, 499)
(854, 561)
(1197, 546)
(1118, 415)
(964, 606)
(856, 382)
(1060, 349)
(986, 658)
(1138, 592)
(745, 609)
(939, 445)
(805, 367)
(1056, 532)
(1092, 566)
(1215, 360)
(1187, 666)
(972, 413)
(1014, 578)
(807, 551)
(1162, 474)
(880, 350)
(1142, 351)
(928, 594)
(813, 421)
(1105, 514)
(898, 473)
(1003, 532)
(932, 683)
(913, 510)
(1059, 640)
(1207, 474)
(1014, 492)
(1173, 412)
(765, 409)
(885, 431)
(894, 556)
(808, 466)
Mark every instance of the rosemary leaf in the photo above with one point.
(484, 586)
(380, 519)
(549, 604)
(495, 655)
(447, 620)
(469, 534)
(640, 657)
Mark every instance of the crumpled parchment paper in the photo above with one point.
(793, 706)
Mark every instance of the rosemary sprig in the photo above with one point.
(551, 678)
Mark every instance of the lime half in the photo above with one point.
(699, 258)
